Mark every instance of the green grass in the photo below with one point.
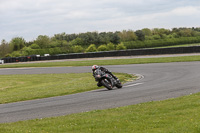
(26, 87)
(183, 45)
(105, 62)
(179, 115)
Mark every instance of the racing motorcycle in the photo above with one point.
(106, 80)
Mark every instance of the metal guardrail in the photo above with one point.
(130, 52)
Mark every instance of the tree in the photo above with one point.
(186, 32)
(140, 34)
(147, 32)
(114, 38)
(104, 38)
(127, 35)
(60, 36)
(43, 41)
(122, 35)
(17, 43)
(77, 41)
(4, 48)
(157, 31)
(88, 38)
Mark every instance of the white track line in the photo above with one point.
(133, 85)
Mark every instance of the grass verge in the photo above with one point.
(26, 87)
(169, 116)
(105, 62)
(182, 45)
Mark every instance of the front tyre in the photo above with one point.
(107, 83)
(118, 85)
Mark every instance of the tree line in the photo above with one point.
(94, 41)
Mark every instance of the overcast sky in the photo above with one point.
(30, 18)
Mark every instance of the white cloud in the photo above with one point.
(185, 11)
(30, 18)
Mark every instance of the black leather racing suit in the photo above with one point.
(106, 71)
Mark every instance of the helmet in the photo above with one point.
(94, 67)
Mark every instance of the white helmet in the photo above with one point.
(94, 67)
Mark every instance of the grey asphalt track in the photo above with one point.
(159, 81)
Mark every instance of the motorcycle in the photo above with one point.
(106, 80)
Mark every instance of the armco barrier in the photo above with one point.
(131, 52)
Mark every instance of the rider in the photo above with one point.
(94, 67)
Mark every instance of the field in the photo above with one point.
(175, 115)
(182, 45)
(34, 86)
(179, 115)
(104, 62)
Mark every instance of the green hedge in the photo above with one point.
(161, 42)
(92, 48)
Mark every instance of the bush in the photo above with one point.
(27, 51)
(91, 48)
(78, 49)
(156, 37)
(102, 48)
(120, 47)
(161, 42)
(54, 44)
(16, 54)
(35, 46)
(54, 51)
(110, 46)
(8, 55)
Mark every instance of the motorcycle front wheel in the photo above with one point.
(118, 85)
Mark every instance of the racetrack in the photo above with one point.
(160, 81)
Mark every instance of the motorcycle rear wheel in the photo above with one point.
(107, 83)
